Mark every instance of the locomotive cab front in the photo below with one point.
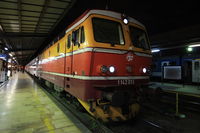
(103, 60)
(120, 65)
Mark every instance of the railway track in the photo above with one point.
(138, 125)
(95, 126)
(92, 124)
(188, 103)
(185, 102)
(165, 107)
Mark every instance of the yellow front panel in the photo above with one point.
(128, 44)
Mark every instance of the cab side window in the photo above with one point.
(58, 48)
(76, 39)
(78, 36)
(69, 41)
(82, 35)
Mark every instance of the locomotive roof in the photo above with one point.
(113, 14)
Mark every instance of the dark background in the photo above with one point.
(157, 16)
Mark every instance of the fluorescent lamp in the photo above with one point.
(155, 50)
(195, 45)
(10, 54)
(189, 49)
(1, 28)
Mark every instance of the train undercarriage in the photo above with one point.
(114, 105)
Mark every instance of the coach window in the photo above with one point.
(196, 65)
(82, 35)
(69, 41)
(58, 47)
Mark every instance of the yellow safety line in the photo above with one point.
(45, 119)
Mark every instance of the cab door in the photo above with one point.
(78, 58)
(68, 60)
(74, 59)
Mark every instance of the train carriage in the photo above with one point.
(103, 60)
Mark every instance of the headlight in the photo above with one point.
(125, 20)
(111, 69)
(104, 69)
(144, 70)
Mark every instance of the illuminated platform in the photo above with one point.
(25, 108)
(190, 90)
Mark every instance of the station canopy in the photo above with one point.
(25, 25)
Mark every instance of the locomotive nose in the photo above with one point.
(117, 98)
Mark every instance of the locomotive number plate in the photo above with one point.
(126, 82)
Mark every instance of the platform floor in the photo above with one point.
(25, 108)
(184, 89)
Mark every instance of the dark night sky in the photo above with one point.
(157, 16)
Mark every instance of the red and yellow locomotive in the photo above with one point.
(103, 60)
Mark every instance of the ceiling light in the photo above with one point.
(6, 48)
(1, 28)
(10, 54)
(195, 45)
(155, 50)
(189, 49)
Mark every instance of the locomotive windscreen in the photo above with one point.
(139, 37)
(107, 31)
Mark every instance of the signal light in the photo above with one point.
(111, 69)
(144, 70)
(125, 20)
(104, 69)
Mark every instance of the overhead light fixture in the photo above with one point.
(1, 28)
(194, 45)
(6, 48)
(189, 49)
(10, 54)
(155, 50)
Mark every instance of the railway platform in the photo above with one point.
(192, 91)
(189, 90)
(25, 108)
